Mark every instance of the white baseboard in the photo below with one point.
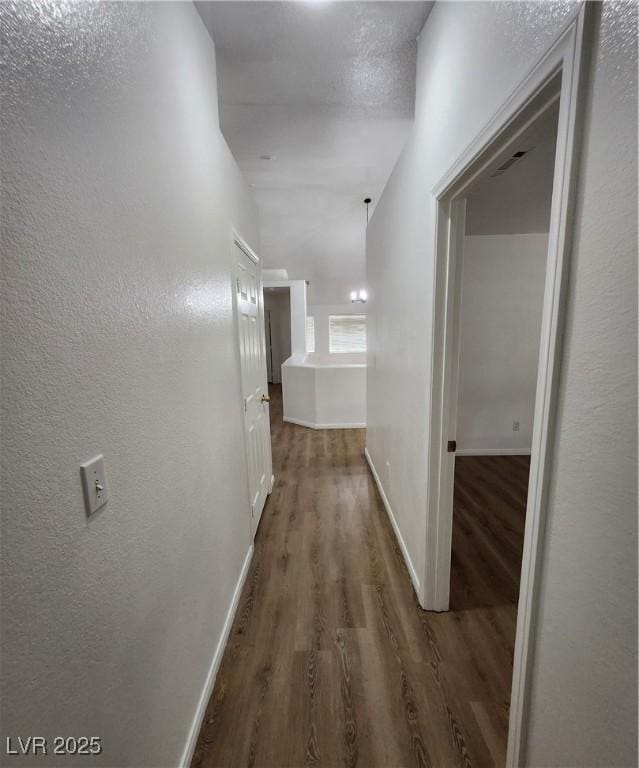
(311, 425)
(194, 732)
(400, 539)
(492, 452)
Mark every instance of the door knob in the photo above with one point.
(266, 398)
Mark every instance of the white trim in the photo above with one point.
(533, 95)
(398, 535)
(293, 362)
(194, 732)
(312, 425)
(244, 246)
(492, 452)
(450, 341)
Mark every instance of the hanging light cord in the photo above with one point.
(367, 202)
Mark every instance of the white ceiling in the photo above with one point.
(326, 91)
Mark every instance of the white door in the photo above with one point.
(250, 322)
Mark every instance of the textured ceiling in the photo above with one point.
(316, 102)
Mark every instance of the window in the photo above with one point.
(310, 333)
(347, 333)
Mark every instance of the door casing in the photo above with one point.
(255, 512)
(559, 74)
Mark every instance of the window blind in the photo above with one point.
(347, 333)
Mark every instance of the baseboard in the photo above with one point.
(492, 452)
(400, 540)
(194, 732)
(311, 425)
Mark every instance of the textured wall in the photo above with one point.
(502, 298)
(471, 56)
(584, 683)
(118, 198)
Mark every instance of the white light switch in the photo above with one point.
(96, 493)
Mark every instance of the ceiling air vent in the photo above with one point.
(511, 161)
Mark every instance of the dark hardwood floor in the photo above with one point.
(330, 661)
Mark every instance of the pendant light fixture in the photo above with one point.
(360, 297)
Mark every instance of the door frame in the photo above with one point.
(239, 242)
(268, 342)
(562, 69)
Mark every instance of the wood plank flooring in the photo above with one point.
(330, 661)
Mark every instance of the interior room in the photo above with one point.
(505, 252)
(503, 277)
(319, 384)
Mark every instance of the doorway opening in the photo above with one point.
(556, 82)
(503, 258)
(277, 330)
(502, 261)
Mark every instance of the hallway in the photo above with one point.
(421, 180)
(330, 660)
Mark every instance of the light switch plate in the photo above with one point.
(96, 493)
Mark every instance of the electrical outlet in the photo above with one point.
(515, 426)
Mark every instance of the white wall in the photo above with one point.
(502, 298)
(471, 57)
(324, 394)
(274, 274)
(278, 303)
(321, 313)
(119, 196)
